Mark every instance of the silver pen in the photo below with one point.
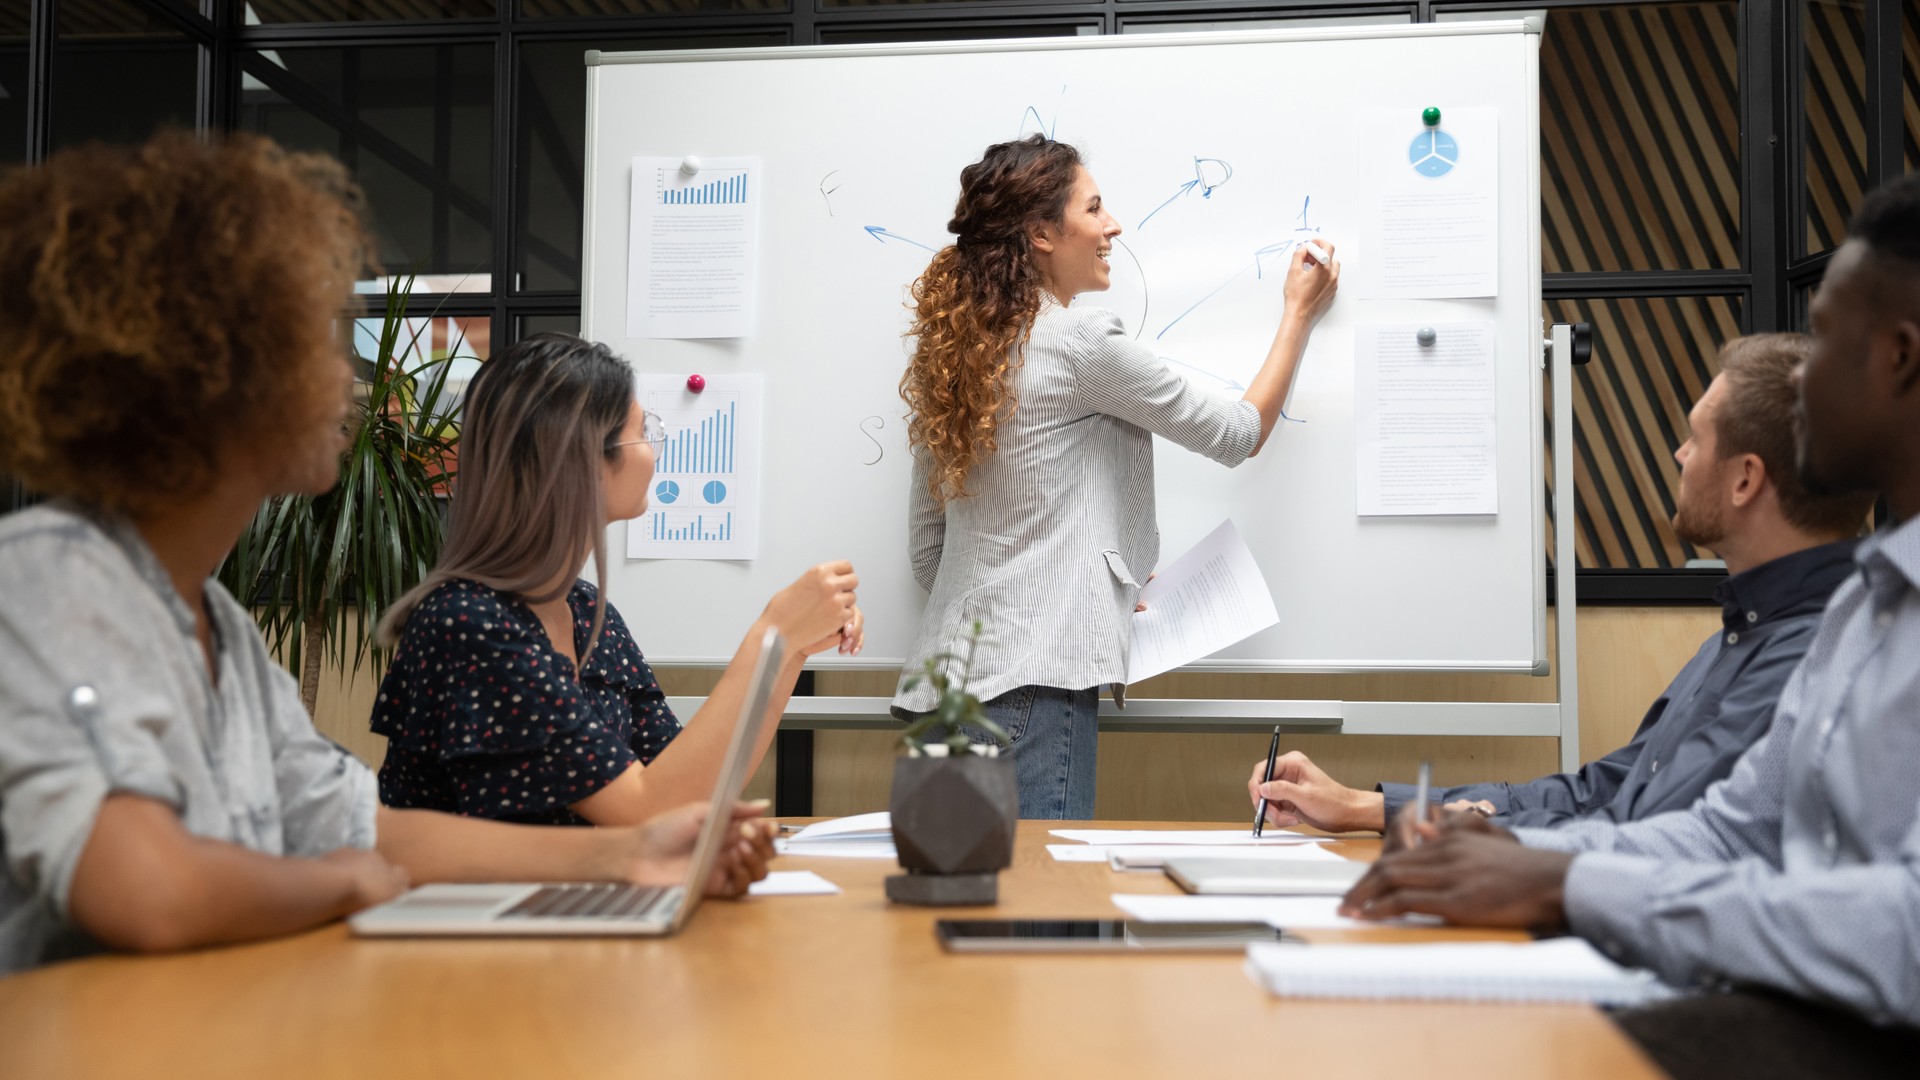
(1420, 789)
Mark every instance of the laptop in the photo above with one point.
(592, 908)
(1214, 876)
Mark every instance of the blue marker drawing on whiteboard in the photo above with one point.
(881, 235)
(1040, 126)
(1146, 297)
(879, 424)
(1208, 173)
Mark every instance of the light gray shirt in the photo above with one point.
(104, 690)
(1051, 548)
(1801, 870)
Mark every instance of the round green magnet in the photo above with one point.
(1430, 116)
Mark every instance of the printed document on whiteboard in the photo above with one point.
(694, 249)
(1432, 195)
(1424, 420)
(1208, 599)
(705, 498)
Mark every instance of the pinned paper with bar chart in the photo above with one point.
(694, 248)
(704, 502)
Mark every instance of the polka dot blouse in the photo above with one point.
(484, 718)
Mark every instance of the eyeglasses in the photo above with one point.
(652, 431)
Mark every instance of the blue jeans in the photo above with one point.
(1056, 736)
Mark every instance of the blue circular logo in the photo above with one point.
(1433, 153)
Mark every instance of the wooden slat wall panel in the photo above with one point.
(1910, 79)
(1640, 162)
(1834, 33)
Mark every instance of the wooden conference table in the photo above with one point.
(771, 987)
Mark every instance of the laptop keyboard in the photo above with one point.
(595, 901)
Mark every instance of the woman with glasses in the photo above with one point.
(1032, 423)
(517, 694)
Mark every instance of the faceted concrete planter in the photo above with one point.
(953, 823)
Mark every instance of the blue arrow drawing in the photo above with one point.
(881, 235)
(1201, 167)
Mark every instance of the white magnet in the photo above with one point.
(689, 165)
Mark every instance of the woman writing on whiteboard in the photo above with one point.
(1031, 422)
(515, 692)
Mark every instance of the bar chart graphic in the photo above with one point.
(705, 443)
(701, 527)
(704, 494)
(726, 191)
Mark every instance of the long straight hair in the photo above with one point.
(540, 420)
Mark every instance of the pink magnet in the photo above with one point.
(696, 383)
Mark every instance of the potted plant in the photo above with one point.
(306, 561)
(955, 801)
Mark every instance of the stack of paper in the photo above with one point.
(862, 836)
(1565, 969)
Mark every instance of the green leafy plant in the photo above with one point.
(306, 562)
(957, 709)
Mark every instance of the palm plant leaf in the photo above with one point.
(307, 564)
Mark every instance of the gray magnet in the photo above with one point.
(1426, 336)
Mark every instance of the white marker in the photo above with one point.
(1319, 254)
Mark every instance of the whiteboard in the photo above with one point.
(862, 150)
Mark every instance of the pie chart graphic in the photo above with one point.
(667, 491)
(1433, 153)
(714, 492)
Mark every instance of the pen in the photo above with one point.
(1260, 813)
(1420, 789)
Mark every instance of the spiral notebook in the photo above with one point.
(1561, 970)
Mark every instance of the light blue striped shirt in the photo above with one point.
(1801, 870)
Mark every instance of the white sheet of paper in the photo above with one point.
(1207, 599)
(1434, 227)
(1104, 852)
(1285, 912)
(793, 883)
(1424, 438)
(694, 251)
(705, 502)
(1157, 837)
(865, 827)
(836, 849)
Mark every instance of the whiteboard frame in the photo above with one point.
(1558, 718)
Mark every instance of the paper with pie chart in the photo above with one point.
(704, 499)
(1432, 231)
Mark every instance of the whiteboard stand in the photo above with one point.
(1559, 718)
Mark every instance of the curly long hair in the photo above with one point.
(161, 302)
(974, 307)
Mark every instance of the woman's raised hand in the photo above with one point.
(1310, 283)
(815, 612)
